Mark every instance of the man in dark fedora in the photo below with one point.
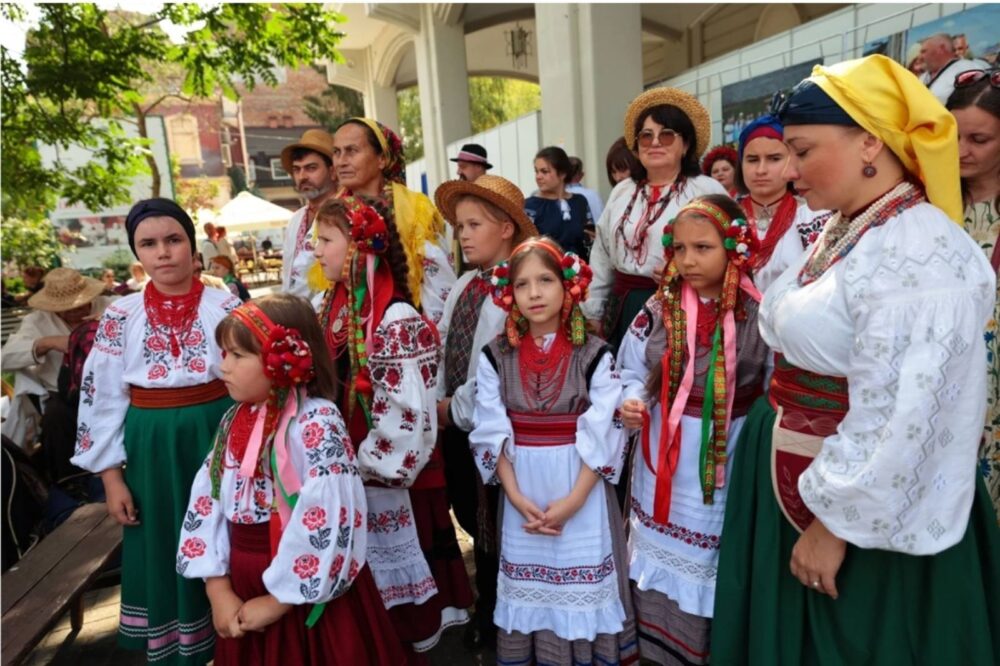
(472, 162)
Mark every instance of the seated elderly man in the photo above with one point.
(35, 352)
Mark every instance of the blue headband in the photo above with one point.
(767, 125)
(808, 104)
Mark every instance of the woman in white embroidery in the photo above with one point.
(857, 528)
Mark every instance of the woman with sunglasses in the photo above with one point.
(857, 528)
(668, 130)
(976, 107)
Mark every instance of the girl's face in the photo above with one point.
(218, 270)
(724, 172)
(978, 143)
(700, 257)
(482, 238)
(243, 373)
(165, 252)
(331, 250)
(547, 178)
(764, 161)
(538, 293)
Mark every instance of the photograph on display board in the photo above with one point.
(744, 101)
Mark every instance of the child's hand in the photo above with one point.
(632, 411)
(259, 613)
(558, 514)
(533, 516)
(443, 416)
(119, 498)
(225, 607)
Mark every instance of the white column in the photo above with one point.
(381, 104)
(442, 78)
(589, 68)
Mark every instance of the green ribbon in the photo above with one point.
(707, 413)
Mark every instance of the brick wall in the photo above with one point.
(282, 106)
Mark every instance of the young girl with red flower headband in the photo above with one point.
(276, 519)
(692, 364)
(547, 430)
(150, 401)
(387, 356)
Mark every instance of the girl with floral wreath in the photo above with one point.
(387, 356)
(276, 519)
(150, 401)
(692, 364)
(547, 430)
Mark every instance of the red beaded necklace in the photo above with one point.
(544, 373)
(240, 431)
(176, 314)
(656, 203)
(782, 221)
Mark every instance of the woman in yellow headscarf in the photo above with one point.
(857, 529)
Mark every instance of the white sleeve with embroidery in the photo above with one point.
(493, 428)
(900, 473)
(632, 356)
(601, 265)
(322, 548)
(600, 436)
(404, 368)
(203, 551)
(439, 276)
(104, 398)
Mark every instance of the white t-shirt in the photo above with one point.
(943, 84)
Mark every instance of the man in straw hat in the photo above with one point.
(309, 162)
(489, 220)
(472, 162)
(35, 352)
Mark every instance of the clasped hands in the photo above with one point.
(233, 617)
(550, 521)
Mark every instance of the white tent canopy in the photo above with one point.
(247, 212)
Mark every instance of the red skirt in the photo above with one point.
(354, 627)
(420, 624)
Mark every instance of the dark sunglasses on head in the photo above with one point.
(974, 76)
(666, 137)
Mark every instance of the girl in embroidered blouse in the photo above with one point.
(692, 364)
(150, 401)
(547, 430)
(276, 519)
(387, 355)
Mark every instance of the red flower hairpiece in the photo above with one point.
(368, 229)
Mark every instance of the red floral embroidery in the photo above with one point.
(338, 564)
(156, 344)
(260, 499)
(197, 365)
(157, 372)
(315, 518)
(194, 337)
(380, 407)
(392, 377)
(352, 573)
(343, 516)
(410, 460)
(357, 518)
(306, 566)
(425, 338)
(312, 435)
(193, 547)
(203, 505)
(383, 445)
(111, 328)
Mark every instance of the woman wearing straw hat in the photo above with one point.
(858, 530)
(668, 130)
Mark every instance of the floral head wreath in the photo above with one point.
(287, 358)
(738, 237)
(368, 228)
(576, 278)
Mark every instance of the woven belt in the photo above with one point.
(168, 398)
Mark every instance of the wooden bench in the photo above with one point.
(52, 578)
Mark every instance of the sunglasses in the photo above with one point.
(974, 76)
(665, 136)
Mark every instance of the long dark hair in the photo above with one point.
(983, 95)
(621, 158)
(291, 312)
(673, 118)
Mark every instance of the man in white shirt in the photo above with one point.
(209, 247)
(310, 164)
(943, 65)
(576, 186)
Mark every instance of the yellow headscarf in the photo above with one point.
(890, 102)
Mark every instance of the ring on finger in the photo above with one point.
(815, 584)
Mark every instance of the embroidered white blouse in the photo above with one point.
(901, 317)
(128, 351)
(609, 254)
(322, 548)
(439, 277)
(489, 325)
(807, 224)
(297, 259)
(404, 369)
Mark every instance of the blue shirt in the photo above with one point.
(551, 220)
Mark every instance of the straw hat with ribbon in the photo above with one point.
(65, 289)
(312, 139)
(500, 192)
(686, 102)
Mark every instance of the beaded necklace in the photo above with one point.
(655, 205)
(544, 373)
(842, 233)
(776, 226)
(175, 314)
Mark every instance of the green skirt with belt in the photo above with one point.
(892, 609)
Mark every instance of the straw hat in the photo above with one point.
(65, 289)
(312, 139)
(498, 191)
(686, 102)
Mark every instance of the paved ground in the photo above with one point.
(96, 644)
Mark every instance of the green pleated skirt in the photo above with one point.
(161, 613)
(893, 608)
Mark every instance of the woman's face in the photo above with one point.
(665, 151)
(978, 143)
(825, 163)
(355, 160)
(764, 161)
(724, 172)
(547, 178)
